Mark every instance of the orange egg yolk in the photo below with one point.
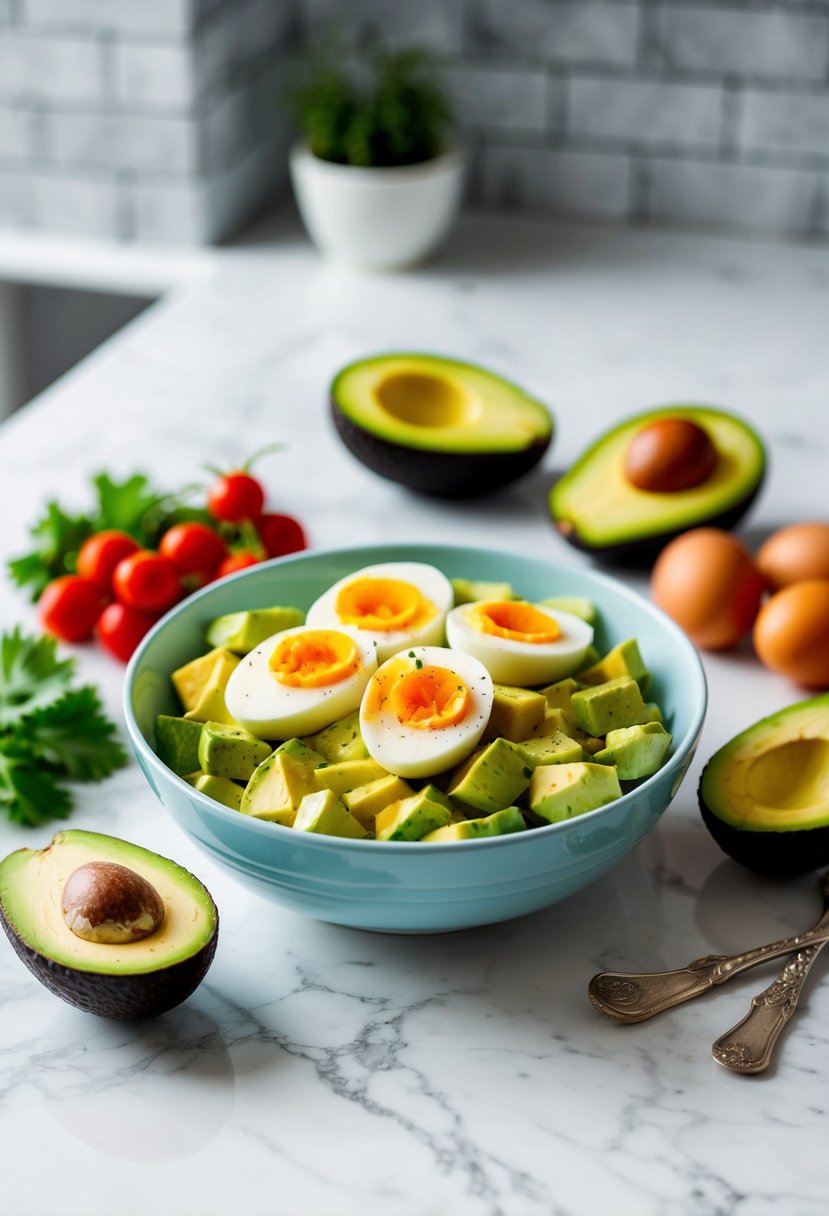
(429, 698)
(383, 605)
(314, 659)
(515, 621)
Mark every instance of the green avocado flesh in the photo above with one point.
(31, 883)
(765, 795)
(438, 426)
(595, 507)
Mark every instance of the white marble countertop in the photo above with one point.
(320, 1070)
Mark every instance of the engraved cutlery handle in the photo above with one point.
(633, 997)
(748, 1046)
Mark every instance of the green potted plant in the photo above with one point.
(376, 180)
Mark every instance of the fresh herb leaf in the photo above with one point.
(32, 677)
(75, 736)
(57, 537)
(123, 505)
(30, 794)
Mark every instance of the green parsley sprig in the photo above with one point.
(50, 732)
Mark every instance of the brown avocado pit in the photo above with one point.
(106, 902)
(670, 455)
(438, 426)
(148, 928)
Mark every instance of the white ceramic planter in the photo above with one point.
(379, 219)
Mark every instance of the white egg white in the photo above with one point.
(429, 582)
(272, 710)
(519, 663)
(416, 752)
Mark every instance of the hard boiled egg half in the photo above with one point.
(425, 710)
(394, 604)
(300, 680)
(519, 643)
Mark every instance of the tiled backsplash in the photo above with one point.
(162, 119)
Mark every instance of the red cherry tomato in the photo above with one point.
(120, 629)
(234, 497)
(236, 561)
(147, 582)
(69, 608)
(101, 553)
(281, 534)
(193, 548)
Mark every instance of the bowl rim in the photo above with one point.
(408, 551)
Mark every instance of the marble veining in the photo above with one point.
(320, 1070)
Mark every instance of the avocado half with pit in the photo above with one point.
(137, 978)
(765, 795)
(437, 425)
(597, 507)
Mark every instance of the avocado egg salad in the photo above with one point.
(407, 706)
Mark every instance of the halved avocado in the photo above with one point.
(438, 426)
(596, 508)
(765, 795)
(137, 979)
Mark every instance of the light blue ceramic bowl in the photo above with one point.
(416, 888)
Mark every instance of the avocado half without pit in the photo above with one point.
(656, 475)
(764, 796)
(112, 928)
(438, 426)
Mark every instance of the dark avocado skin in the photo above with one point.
(124, 998)
(438, 474)
(774, 854)
(643, 552)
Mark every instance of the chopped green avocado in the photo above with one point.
(555, 748)
(230, 751)
(624, 659)
(516, 712)
(346, 775)
(177, 743)
(609, 706)
(438, 425)
(470, 591)
(764, 796)
(241, 631)
(500, 823)
(412, 818)
(198, 681)
(562, 791)
(576, 605)
(596, 508)
(491, 778)
(220, 789)
(367, 801)
(341, 740)
(281, 781)
(323, 812)
(636, 751)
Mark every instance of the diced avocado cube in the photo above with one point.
(516, 712)
(556, 748)
(560, 694)
(341, 740)
(241, 631)
(636, 751)
(654, 713)
(500, 823)
(590, 656)
(367, 801)
(623, 660)
(221, 789)
(209, 705)
(609, 706)
(230, 751)
(281, 781)
(491, 778)
(470, 591)
(576, 605)
(562, 791)
(346, 775)
(213, 668)
(177, 743)
(411, 818)
(555, 721)
(323, 812)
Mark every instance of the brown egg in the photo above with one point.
(791, 634)
(706, 581)
(793, 554)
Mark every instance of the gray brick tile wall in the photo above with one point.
(165, 119)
